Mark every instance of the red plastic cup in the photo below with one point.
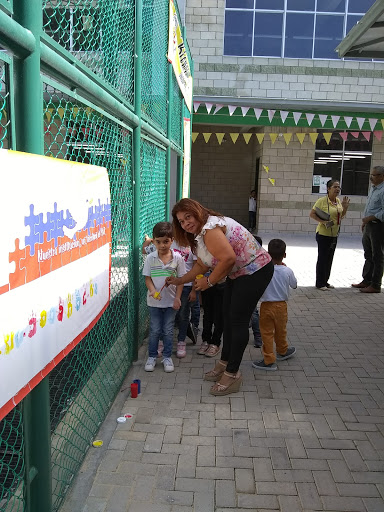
(134, 390)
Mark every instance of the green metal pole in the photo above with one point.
(137, 169)
(180, 162)
(30, 138)
(168, 153)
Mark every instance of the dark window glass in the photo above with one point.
(356, 177)
(238, 33)
(331, 5)
(351, 22)
(335, 144)
(328, 35)
(360, 5)
(240, 4)
(270, 5)
(301, 5)
(299, 35)
(268, 34)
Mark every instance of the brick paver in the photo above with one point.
(307, 437)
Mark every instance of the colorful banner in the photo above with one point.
(178, 56)
(187, 156)
(54, 264)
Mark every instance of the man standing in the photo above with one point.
(373, 234)
(252, 210)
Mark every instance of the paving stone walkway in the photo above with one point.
(308, 437)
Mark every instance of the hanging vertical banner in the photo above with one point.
(187, 156)
(178, 56)
(55, 260)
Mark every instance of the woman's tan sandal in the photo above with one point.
(216, 373)
(212, 351)
(219, 389)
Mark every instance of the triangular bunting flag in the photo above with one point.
(88, 111)
(296, 116)
(348, 121)
(207, 136)
(60, 111)
(247, 136)
(283, 115)
(327, 136)
(217, 108)
(313, 137)
(260, 137)
(220, 137)
(266, 168)
(355, 134)
(271, 113)
(273, 137)
(382, 122)
(244, 110)
(234, 137)
(258, 112)
(208, 106)
(344, 135)
(360, 121)
(309, 118)
(196, 105)
(75, 111)
(194, 136)
(367, 135)
(335, 120)
(272, 181)
(372, 124)
(48, 115)
(287, 137)
(301, 137)
(323, 119)
(378, 134)
(231, 109)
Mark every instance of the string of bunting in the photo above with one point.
(288, 136)
(297, 116)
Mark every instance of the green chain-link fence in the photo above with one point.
(88, 116)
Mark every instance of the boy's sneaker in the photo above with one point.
(258, 342)
(168, 364)
(181, 349)
(203, 348)
(150, 364)
(291, 351)
(160, 349)
(260, 365)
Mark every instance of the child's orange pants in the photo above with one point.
(273, 326)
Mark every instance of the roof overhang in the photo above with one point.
(366, 39)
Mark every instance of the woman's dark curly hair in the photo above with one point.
(198, 211)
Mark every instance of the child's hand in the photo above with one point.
(176, 304)
(155, 294)
(192, 296)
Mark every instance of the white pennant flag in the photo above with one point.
(258, 112)
(323, 118)
(196, 105)
(309, 118)
(360, 121)
(296, 116)
(335, 120)
(348, 121)
(271, 113)
(283, 115)
(244, 110)
(372, 124)
(231, 109)
(217, 108)
(208, 106)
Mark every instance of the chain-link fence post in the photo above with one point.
(169, 133)
(29, 138)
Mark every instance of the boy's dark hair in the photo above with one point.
(276, 248)
(258, 239)
(162, 229)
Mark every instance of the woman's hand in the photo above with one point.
(345, 202)
(173, 280)
(201, 284)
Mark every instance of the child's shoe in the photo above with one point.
(203, 348)
(150, 364)
(258, 343)
(168, 364)
(291, 351)
(260, 365)
(181, 349)
(160, 349)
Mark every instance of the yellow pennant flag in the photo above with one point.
(266, 168)
(74, 112)
(88, 111)
(247, 136)
(327, 136)
(313, 137)
(207, 136)
(260, 137)
(234, 137)
(272, 181)
(301, 137)
(220, 137)
(273, 137)
(194, 136)
(287, 137)
(60, 111)
(382, 122)
(48, 115)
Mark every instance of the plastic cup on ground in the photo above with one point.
(134, 390)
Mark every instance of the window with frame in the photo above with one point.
(348, 161)
(309, 29)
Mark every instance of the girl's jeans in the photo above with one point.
(161, 325)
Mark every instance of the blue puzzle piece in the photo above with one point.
(54, 217)
(31, 220)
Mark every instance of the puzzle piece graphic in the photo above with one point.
(31, 220)
(18, 277)
(31, 265)
(55, 218)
